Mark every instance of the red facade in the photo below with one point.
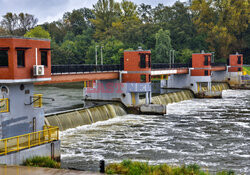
(235, 63)
(137, 64)
(201, 64)
(12, 46)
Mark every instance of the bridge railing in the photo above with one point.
(218, 64)
(64, 69)
(168, 66)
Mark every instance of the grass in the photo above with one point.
(41, 162)
(247, 69)
(139, 168)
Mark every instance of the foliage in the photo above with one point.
(38, 32)
(224, 23)
(41, 162)
(247, 70)
(138, 168)
(18, 24)
(163, 46)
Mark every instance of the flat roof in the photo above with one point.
(21, 37)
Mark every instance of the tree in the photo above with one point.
(106, 12)
(9, 22)
(163, 46)
(38, 32)
(223, 22)
(145, 12)
(18, 24)
(26, 22)
(57, 30)
(126, 28)
(78, 20)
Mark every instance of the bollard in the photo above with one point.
(102, 166)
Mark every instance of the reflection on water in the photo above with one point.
(214, 133)
(67, 96)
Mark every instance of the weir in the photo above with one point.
(79, 117)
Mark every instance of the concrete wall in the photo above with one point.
(219, 76)
(113, 90)
(45, 150)
(20, 118)
(179, 81)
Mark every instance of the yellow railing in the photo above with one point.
(4, 105)
(38, 100)
(20, 142)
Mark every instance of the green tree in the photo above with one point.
(163, 46)
(78, 20)
(106, 12)
(38, 32)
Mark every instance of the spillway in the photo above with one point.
(75, 118)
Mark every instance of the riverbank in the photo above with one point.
(127, 167)
(24, 170)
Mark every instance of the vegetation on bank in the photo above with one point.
(247, 70)
(138, 168)
(41, 162)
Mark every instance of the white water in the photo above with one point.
(214, 133)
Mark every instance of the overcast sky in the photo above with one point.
(52, 10)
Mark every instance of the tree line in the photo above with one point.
(210, 25)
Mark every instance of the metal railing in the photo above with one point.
(4, 105)
(29, 140)
(37, 100)
(169, 66)
(218, 64)
(62, 69)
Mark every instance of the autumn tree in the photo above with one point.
(223, 22)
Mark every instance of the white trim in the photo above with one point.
(25, 80)
(163, 72)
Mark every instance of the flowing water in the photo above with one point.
(214, 133)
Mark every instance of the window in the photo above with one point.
(3, 58)
(21, 58)
(149, 61)
(143, 78)
(149, 78)
(44, 58)
(143, 61)
(206, 61)
(206, 72)
(239, 60)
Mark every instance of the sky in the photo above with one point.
(52, 10)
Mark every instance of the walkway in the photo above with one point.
(22, 170)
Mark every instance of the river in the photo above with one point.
(214, 133)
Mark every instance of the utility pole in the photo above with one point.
(96, 54)
(173, 56)
(170, 58)
(101, 56)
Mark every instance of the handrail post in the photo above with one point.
(29, 141)
(49, 132)
(57, 131)
(39, 138)
(5, 145)
(17, 143)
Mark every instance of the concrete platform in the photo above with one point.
(23, 170)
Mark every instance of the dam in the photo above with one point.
(113, 105)
(210, 132)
